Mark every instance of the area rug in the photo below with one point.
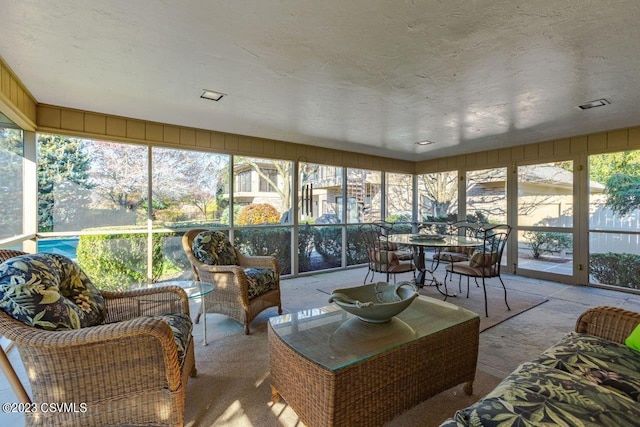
(519, 302)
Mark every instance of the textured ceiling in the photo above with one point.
(360, 75)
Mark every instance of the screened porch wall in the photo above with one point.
(20, 106)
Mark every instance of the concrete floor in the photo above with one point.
(502, 348)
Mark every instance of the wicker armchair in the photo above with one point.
(126, 370)
(231, 296)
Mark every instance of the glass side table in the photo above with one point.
(194, 289)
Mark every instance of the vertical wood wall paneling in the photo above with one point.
(16, 102)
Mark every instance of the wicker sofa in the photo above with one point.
(589, 378)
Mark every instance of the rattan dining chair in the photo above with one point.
(119, 354)
(244, 285)
(485, 262)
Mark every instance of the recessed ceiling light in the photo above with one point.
(212, 95)
(425, 142)
(593, 104)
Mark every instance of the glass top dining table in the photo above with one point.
(437, 242)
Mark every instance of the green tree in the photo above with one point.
(623, 192)
(603, 166)
(620, 174)
(63, 166)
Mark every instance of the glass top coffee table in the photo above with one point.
(335, 369)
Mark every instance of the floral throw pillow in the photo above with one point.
(261, 280)
(214, 248)
(49, 291)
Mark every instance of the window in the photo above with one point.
(438, 197)
(189, 188)
(320, 206)
(614, 219)
(364, 195)
(399, 197)
(86, 184)
(269, 180)
(262, 207)
(545, 217)
(11, 171)
(320, 193)
(98, 189)
(487, 195)
(243, 182)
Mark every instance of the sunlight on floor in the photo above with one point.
(234, 415)
(262, 379)
(285, 415)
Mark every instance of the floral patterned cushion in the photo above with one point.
(214, 248)
(182, 327)
(261, 280)
(535, 394)
(603, 362)
(49, 291)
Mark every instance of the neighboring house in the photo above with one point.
(322, 193)
(251, 187)
(545, 195)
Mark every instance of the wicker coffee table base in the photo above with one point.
(374, 390)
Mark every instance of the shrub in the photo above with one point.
(175, 260)
(224, 216)
(402, 228)
(399, 217)
(478, 217)
(305, 248)
(118, 262)
(547, 241)
(616, 269)
(328, 242)
(356, 247)
(266, 241)
(258, 213)
(451, 217)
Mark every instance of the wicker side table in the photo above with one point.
(334, 369)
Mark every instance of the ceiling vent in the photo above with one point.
(593, 104)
